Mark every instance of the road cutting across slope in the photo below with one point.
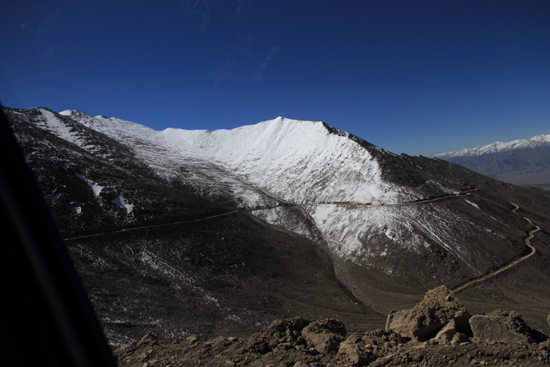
(526, 241)
(423, 201)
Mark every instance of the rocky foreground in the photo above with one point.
(438, 331)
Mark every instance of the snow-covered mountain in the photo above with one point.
(281, 156)
(309, 163)
(299, 161)
(188, 211)
(497, 147)
(522, 161)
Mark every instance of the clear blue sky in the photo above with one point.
(419, 77)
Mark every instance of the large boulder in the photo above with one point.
(325, 336)
(485, 327)
(439, 307)
(504, 326)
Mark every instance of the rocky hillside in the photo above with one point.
(439, 331)
(219, 232)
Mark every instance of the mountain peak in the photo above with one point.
(254, 204)
(67, 112)
(499, 146)
(521, 161)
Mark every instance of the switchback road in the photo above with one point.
(527, 242)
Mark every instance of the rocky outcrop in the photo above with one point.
(325, 336)
(354, 354)
(498, 338)
(322, 336)
(280, 333)
(439, 307)
(442, 317)
(359, 350)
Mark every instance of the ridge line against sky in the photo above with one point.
(419, 77)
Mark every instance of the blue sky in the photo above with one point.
(419, 77)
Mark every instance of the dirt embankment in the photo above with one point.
(438, 331)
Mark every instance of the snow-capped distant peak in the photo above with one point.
(499, 147)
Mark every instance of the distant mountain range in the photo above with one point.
(522, 161)
(220, 232)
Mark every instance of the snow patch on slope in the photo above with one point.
(472, 204)
(95, 187)
(193, 167)
(354, 232)
(295, 221)
(56, 126)
(122, 203)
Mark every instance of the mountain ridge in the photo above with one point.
(328, 193)
(522, 161)
(498, 146)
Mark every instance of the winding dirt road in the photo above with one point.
(439, 198)
(526, 241)
(457, 289)
(464, 193)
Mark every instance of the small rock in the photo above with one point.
(192, 339)
(300, 364)
(460, 339)
(150, 337)
(285, 346)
